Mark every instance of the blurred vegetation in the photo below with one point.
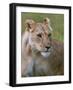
(57, 22)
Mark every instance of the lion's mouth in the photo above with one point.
(46, 50)
(46, 53)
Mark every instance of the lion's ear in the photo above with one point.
(47, 23)
(30, 25)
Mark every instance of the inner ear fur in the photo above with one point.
(30, 25)
(46, 20)
(47, 23)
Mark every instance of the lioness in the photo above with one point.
(40, 54)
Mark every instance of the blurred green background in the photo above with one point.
(57, 22)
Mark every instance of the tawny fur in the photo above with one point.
(32, 62)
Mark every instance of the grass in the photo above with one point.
(57, 22)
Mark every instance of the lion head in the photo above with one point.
(39, 36)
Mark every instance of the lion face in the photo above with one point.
(40, 36)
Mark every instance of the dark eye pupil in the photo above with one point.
(49, 35)
(39, 35)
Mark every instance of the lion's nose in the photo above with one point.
(47, 47)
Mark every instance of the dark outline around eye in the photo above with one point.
(49, 34)
(39, 35)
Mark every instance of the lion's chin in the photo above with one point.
(45, 54)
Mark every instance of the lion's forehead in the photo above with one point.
(40, 28)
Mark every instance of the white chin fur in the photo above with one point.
(45, 54)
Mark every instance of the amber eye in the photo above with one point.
(39, 35)
(49, 34)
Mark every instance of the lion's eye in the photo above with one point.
(39, 35)
(49, 34)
